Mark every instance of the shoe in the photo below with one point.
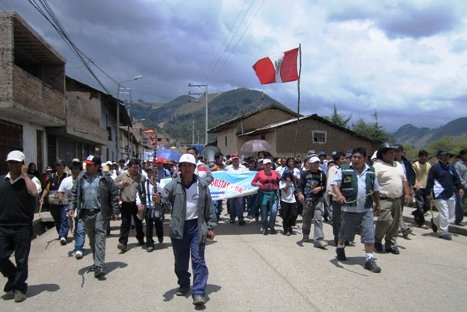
(341, 254)
(150, 248)
(62, 241)
(99, 273)
(265, 231)
(371, 265)
(78, 254)
(122, 247)
(141, 243)
(446, 236)
(181, 291)
(272, 231)
(8, 286)
(406, 232)
(305, 238)
(231, 221)
(160, 239)
(394, 250)
(241, 222)
(379, 247)
(321, 244)
(20, 296)
(199, 300)
(287, 234)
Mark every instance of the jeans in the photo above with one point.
(80, 234)
(253, 205)
(96, 228)
(128, 211)
(236, 208)
(218, 208)
(268, 212)
(59, 214)
(17, 239)
(182, 249)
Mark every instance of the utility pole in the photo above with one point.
(205, 86)
(193, 133)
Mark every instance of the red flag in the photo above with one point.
(282, 70)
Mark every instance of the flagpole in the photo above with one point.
(298, 97)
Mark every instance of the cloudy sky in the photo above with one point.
(405, 59)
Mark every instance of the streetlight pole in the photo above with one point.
(205, 86)
(117, 94)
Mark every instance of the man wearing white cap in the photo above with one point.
(18, 192)
(311, 191)
(192, 221)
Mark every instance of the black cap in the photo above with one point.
(93, 160)
(398, 147)
(442, 152)
(463, 152)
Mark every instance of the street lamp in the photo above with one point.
(118, 110)
(205, 86)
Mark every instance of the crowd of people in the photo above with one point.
(356, 192)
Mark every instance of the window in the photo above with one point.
(319, 136)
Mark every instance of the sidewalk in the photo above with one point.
(453, 228)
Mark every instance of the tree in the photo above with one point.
(372, 130)
(338, 119)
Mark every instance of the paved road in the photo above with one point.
(251, 272)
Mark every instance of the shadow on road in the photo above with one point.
(210, 288)
(349, 262)
(34, 290)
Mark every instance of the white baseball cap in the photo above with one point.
(313, 160)
(15, 156)
(267, 161)
(187, 158)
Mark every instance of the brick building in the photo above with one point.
(44, 113)
(288, 136)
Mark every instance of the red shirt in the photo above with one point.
(269, 182)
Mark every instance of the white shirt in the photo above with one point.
(65, 186)
(231, 168)
(288, 195)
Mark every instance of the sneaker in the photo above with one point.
(394, 250)
(78, 254)
(321, 244)
(371, 265)
(379, 247)
(160, 239)
(265, 231)
(150, 248)
(122, 247)
(341, 254)
(62, 241)
(181, 291)
(305, 238)
(20, 296)
(446, 236)
(241, 222)
(99, 273)
(287, 234)
(199, 300)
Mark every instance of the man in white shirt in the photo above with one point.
(237, 204)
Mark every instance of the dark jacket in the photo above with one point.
(16, 204)
(108, 195)
(308, 181)
(443, 181)
(174, 194)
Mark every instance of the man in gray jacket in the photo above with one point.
(94, 197)
(192, 221)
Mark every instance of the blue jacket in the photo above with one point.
(443, 181)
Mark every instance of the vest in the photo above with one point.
(16, 204)
(349, 186)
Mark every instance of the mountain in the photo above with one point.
(184, 117)
(422, 137)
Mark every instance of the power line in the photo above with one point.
(47, 12)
